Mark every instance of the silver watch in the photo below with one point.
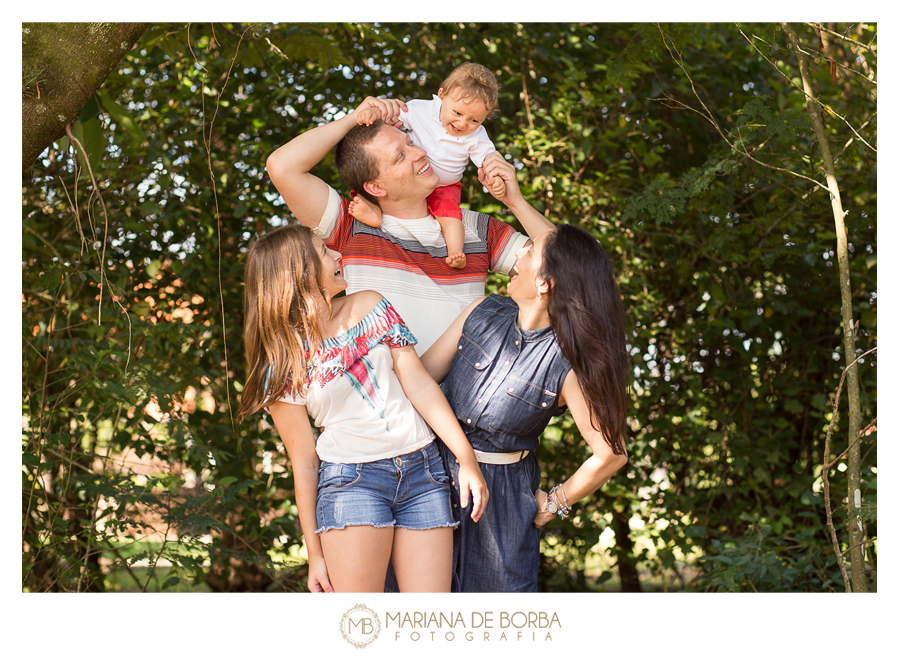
(552, 507)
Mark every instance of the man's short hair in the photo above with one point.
(356, 163)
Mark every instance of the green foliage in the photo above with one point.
(756, 562)
(131, 318)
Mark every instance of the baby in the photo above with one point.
(449, 128)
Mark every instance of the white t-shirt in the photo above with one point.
(355, 398)
(448, 154)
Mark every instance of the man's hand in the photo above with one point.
(499, 176)
(495, 164)
(388, 109)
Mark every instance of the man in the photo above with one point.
(404, 258)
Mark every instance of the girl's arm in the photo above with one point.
(293, 427)
(439, 356)
(429, 401)
(596, 470)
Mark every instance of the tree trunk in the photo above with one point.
(628, 573)
(63, 64)
(857, 529)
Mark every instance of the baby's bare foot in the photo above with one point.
(457, 261)
(364, 212)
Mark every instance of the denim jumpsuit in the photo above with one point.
(504, 386)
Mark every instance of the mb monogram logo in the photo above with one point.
(360, 626)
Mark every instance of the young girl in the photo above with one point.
(372, 486)
(449, 128)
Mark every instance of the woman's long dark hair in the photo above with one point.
(586, 313)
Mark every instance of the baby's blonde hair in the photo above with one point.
(471, 80)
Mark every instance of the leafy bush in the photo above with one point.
(759, 562)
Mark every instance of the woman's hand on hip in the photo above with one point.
(543, 517)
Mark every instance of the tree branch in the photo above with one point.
(827, 108)
(868, 541)
(709, 116)
(73, 60)
(819, 26)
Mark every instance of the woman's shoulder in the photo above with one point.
(366, 319)
(353, 312)
(495, 303)
(362, 303)
(493, 312)
(372, 316)
(364, 298)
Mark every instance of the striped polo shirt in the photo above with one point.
(403, 260)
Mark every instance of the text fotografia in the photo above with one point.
(478, 626)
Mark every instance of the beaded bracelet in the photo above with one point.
(562, 509)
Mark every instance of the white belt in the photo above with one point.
(500, 457)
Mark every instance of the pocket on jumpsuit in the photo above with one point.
(524, 406)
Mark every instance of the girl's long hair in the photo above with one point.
(280, 314)
(586, 313)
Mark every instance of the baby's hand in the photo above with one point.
(368, 115)
(386, 109)
(498, 187)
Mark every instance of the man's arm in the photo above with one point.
(532, 221)
(305, 194)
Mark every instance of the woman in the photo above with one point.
(371, 487)
(511, 363)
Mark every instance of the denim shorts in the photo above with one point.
(411, 491)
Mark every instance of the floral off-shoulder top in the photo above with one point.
(354, 396)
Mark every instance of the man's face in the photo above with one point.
(406, 174)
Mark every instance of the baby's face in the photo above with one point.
(461, 116)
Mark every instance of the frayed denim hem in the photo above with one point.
(319, 531)
(451, 524)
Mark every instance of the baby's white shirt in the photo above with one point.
(447, 154)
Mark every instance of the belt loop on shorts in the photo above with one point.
(500, 457)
